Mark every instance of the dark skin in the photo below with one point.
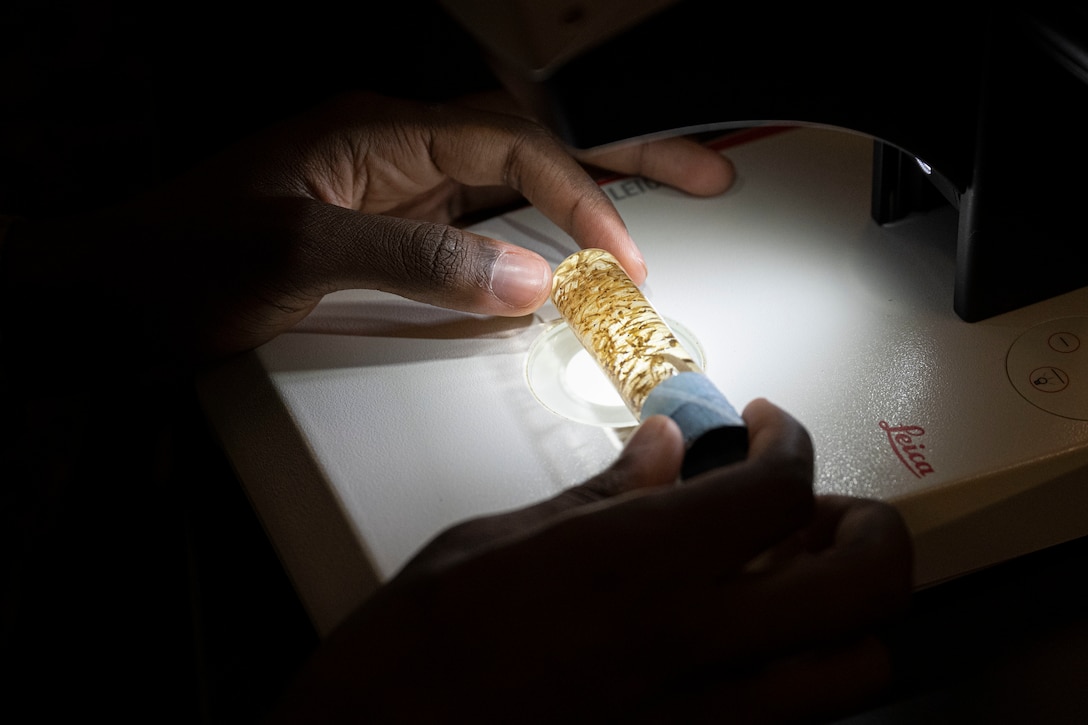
(737, 595)
(628, 597)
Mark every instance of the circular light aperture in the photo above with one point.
(566, 379)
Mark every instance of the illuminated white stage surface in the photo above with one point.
(379, 422)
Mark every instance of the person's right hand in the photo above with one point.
(736, 596)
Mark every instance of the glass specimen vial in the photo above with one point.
(645, 361)
(618, 326)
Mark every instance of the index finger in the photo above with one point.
(676, 160)
(479, 148)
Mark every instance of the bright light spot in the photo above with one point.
(924, 166)
(585, 379)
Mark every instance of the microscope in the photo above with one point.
(898, 265)
(975, 122)
(984, 109)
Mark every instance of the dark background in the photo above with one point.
(102, 98)
(138, 583)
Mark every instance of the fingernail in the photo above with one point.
(639, 271)
(643, 272)
(520, 280)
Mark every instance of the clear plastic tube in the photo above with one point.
(646, 363)
(618, 326)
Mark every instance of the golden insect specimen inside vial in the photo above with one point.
(617, 325)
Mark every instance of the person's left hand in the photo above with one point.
(358, 194)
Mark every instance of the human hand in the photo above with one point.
(675, 160)
(736, 596)
(358, 194)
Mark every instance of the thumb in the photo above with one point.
(650, 459)
(432, 263)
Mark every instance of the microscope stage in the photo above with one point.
(379, 422)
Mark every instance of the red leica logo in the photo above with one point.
(903, 440)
